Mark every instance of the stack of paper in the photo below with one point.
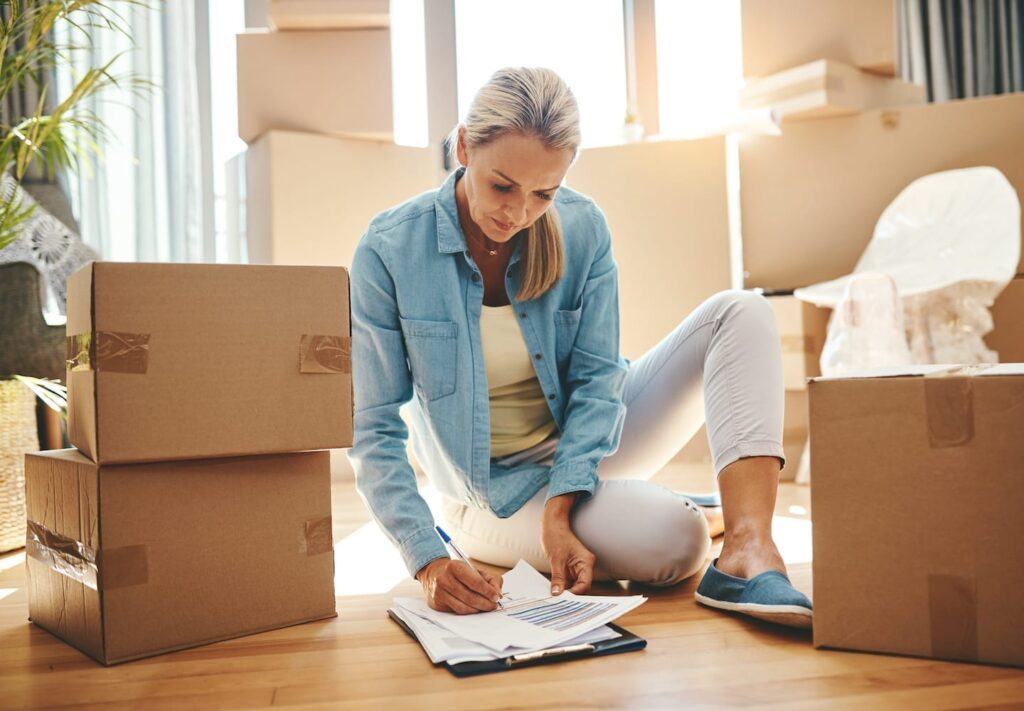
(531, 620)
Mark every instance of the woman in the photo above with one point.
(490, 306)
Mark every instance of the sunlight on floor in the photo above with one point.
(793, 537)
(8, 562)
(365, 563)
(4, 592)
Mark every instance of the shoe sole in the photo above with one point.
(788, 615)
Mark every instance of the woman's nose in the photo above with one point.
(516, 211)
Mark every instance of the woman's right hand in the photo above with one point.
(456, 586)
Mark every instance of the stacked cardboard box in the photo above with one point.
(811, 61)
(779, 34)
(820, 58)
(315, 106)
(809, 199)
(326, 14)
(826, 88)
(190, 511)
(917, 497)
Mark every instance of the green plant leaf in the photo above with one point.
(53, 394)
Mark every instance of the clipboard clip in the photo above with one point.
(544, 653)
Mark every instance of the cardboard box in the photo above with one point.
(802, 330)
(130, 561)
(1007, 338)
(916, 501)
(189, 361)
(779, 34)
(309, 200)
(329, 82)
(327, 14)
(810, 198)
(666, 204)
(827, 88)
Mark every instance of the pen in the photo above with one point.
(461, 556)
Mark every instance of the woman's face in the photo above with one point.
(509, 182)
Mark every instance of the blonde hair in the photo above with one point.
(538, 103)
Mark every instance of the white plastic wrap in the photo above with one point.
(951, 242)
(940, 254)
(866, 329)
(943, 229)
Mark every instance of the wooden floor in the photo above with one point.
(695, 657)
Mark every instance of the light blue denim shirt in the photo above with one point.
(416, 302)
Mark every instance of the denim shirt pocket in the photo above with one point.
(432, 350)
(567, 323)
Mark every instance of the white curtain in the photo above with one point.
(149, 197)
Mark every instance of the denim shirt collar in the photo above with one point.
(450, 237)
(449, 230)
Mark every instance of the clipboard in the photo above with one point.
(628, 642)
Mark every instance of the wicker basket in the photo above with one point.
(18, 435)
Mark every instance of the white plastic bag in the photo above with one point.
(940, 254)
(866, 328)
(943, 229)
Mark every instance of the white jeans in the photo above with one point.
(729, 347)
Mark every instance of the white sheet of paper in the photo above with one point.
(532, 619)
(443, 646)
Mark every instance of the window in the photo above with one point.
(700, 68)
(582, 40)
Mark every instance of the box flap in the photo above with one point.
(61, 489)
(925, 370)
(79, 378)
(898, 371)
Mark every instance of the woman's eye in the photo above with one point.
(503, 188)
(544, 196)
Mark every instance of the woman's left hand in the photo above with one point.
(572, 564)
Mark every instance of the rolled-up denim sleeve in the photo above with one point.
(596, 377)
(382, 384)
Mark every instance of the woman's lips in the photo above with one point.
(502, 226)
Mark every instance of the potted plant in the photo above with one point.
(58, 134)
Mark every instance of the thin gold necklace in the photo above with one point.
(492, 252)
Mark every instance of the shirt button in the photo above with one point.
(476, 277)
(551, 396)
(538, 356)
(522, 314)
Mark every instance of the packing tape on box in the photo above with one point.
(121, 567)
(61, 554)
(949, 404)
(325, 354)
(318, 536)
(953, 617)
(120, 352)
(110, 351)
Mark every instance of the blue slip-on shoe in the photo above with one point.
(768, 596)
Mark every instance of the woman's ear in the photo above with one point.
(460, 147)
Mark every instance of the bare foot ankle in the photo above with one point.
(747, 559)
(715, 519)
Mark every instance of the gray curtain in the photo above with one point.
(962, 48)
